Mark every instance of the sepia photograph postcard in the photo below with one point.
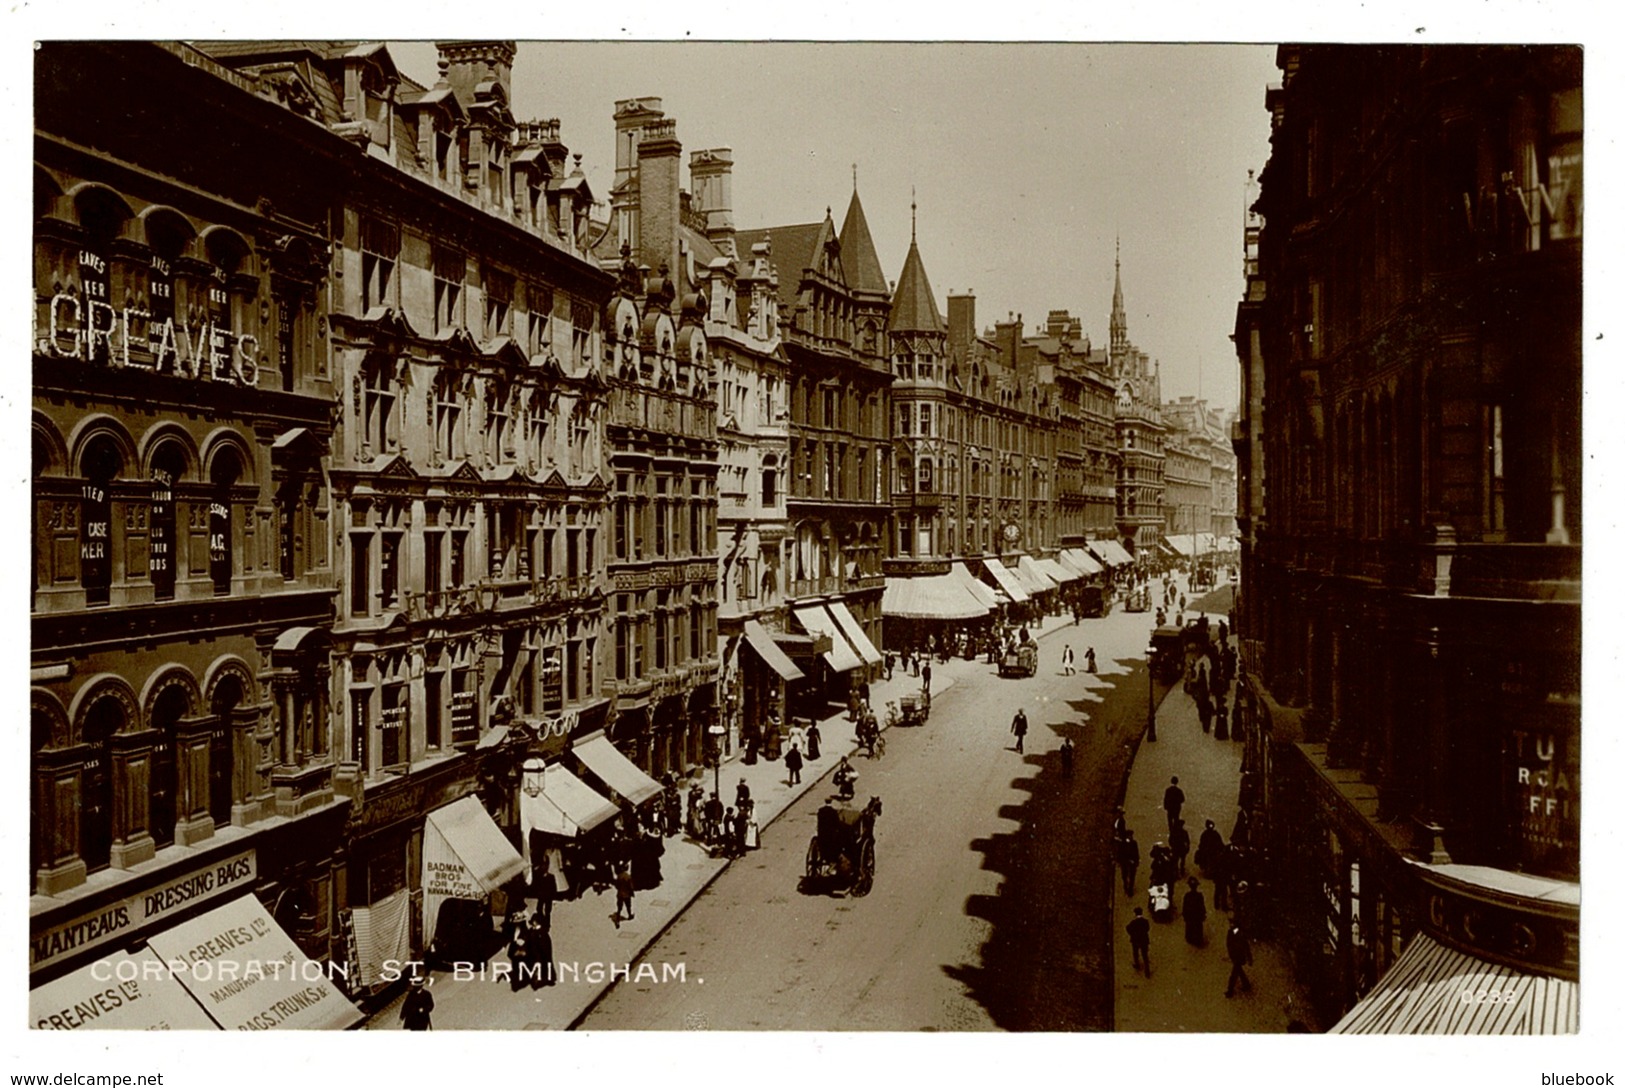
(855, 540)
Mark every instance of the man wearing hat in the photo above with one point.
(418, 1005)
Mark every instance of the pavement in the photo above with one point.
(1185, 990)
(591, 948)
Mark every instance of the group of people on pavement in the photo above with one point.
(1225, 864)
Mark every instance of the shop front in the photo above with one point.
(566, 825)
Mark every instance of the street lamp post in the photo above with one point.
(1150, 693)
(716, 732)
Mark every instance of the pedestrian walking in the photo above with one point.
(813, 737)
(1179, 841)
(925, 676)
(623, 893)
(1089, 660)
(1018, 726)
(1128, 860)
(418, 1005)
(891, 660)
(1139, 940)
(1204, 708)
(792, 763)
(1194, 911)
(547, 889)
(741, 795)
(1066, 757)
(1066, 661)
(1221, 720)
(1208, 846)
(1173, 799)
(1241, 956)
(1119, 827)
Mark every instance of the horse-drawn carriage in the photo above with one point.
(843, 850)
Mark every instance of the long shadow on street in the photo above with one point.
(1047, 964)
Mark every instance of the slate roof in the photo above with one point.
(913, 305)
(795, 249)
(863, 271)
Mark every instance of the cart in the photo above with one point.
(842, 852)
(1021, 661)
(915, 709)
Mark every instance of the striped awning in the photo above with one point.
(1081, 561)
(853, 630)
(1111, 553)
(1007, 580)
(817, 621)
(1034, 580)
(1424, 994)
(933, 597)
(983, 592)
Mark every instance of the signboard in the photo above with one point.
(1544, 785)
(248, 974)
(87, 327)
(119, 992)
(465, 726)
(95, 532)
(161, 549)
(121, 919)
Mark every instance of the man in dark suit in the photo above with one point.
(1241, 955)
(1139, 940)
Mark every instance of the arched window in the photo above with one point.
(104, 718)
(228, 693)
(171, 707)
(102, 463)
(168, 466)
(926, 476)
(222, 478)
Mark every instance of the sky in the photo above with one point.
(1028, 161)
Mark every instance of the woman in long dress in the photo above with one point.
(812, 741)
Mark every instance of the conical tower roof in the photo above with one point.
(913, 305)
(858, 257)
(1119, 324)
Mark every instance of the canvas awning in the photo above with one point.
(979, 589)
(618, 773)
(1081, 561)
(840, 655)
(1422, 995)
(553, 800)
(463, 836)
(933, 597)
(849, 625)
(768, 650)
(1110, 552)
(1007, 581)
(247, 973)
(1056, 573)
(1033, 580)
(120, 991)
(1179, 544)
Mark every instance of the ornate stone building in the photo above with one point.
(1410, 608)
(833, 309)
(1141, 518)
(664, 442)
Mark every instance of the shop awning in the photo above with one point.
(120, 991)
(1422, 995)
(840, 655)
(248, 974)
(849, 625)
(1007, 581)
(1111, 553)
(619, 773)
(1081, 561)
(1179, 544)
(983, 592)
(463, 834)
(1056, 573)
(553, 800)
(933, 597)
(769, 651)
(1032, 579)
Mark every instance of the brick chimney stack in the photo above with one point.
(660, 198)
(468, 64)
(961, 324)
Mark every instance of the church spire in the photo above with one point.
(858, 255)
(1119, 324)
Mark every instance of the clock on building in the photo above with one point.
(1012, 532)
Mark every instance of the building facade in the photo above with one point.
(833, 306)
(182, 549)
(663, 452)
(1410, 601)
(1141, 519)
